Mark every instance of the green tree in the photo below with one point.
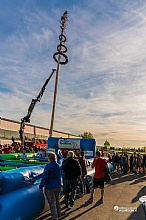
(86, 135)
(106, 145)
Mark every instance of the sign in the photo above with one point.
(68, 143)
(89, 153)
(88, 145)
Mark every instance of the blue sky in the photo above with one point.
(103, 87)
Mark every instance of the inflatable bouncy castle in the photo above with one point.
(20, 198)
(19, 195)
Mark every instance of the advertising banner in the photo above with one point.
(88, 145)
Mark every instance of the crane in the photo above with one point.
(26, 119)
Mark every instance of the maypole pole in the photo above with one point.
(61, 53)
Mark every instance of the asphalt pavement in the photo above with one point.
(121, 201)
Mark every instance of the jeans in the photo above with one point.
(82, 184)
(70, 191)
(125, 167)
(53, 197)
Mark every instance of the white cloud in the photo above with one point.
(101, 89)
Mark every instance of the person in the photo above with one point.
(99, 176)
(113, 160)
(121, 163)
(102, 153)
(125, 163)
(6, 150)
(117, 162)
(138, 163)
(23, 156)
(72, 171)
(134, 162)
(144, 163)
(109, 158)
(64, 153)
(51, 180)
(131, 163)
(41, 153)
(82, 161)
(77, 153)
(1, 149)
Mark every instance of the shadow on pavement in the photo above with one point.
(142, 192)
(128, 177)
(82, 213)
(137, 215)
(68, 211)
(45, 216)
(143, 178)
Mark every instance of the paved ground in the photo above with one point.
(123, 191)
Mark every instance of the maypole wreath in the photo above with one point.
(61, 48)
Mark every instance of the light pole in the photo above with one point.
(61, 53)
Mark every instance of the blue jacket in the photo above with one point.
(51, 177)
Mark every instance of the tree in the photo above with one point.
(86, 135)
(106, 145)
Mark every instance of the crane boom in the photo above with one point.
(30, 109)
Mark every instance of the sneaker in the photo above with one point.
(72, 204)
(80, 195)
(101, 200)
(90, 200)
(66, 206)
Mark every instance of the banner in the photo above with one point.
(88, 145)
(69, 143)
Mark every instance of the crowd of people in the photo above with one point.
(74, 169)
(73, 172)
(124, 163)
(17, 148)
(74, 175)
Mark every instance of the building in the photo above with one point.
(10, 128)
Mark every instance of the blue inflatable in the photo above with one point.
(19, 194)
(15, 179)
(20, 198)
(22, 204)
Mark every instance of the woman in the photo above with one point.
(109, 158)
(51, 180)
(83, 185)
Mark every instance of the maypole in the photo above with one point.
(61, 53)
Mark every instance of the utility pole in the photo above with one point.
(61, 53)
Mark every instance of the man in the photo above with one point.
(138, 163)
(72, 170)
(41, 153)
(131, 163)
(117, 162)
(113, 160)
(125, 163)
(24, 155)
(99, 176)
(144, 163)
(134, 162)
